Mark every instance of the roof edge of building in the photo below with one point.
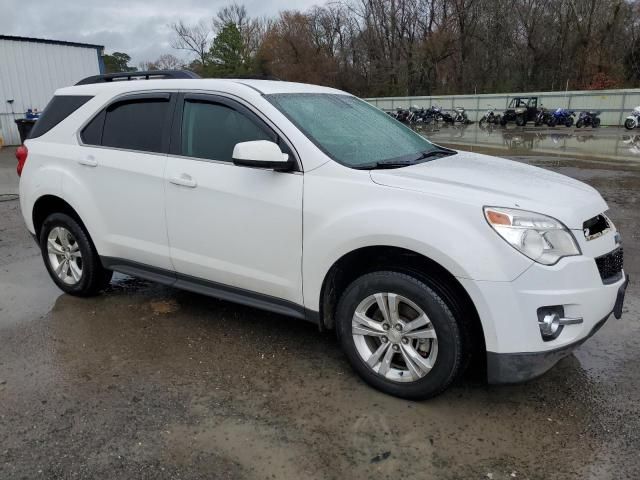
(51, 42)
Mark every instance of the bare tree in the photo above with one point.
(193, 38)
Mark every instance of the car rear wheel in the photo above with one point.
(399, 335)
(70, 257)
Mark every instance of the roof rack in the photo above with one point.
(250, 76)
(145, 75)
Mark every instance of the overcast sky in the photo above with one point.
(137, 27)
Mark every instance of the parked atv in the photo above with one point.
(562, 116)
(586, 119)
(520, 110)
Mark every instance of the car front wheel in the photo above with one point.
(399, 335)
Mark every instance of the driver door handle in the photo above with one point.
(184, 180)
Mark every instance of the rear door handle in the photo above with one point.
(184, 180)
(88, 161)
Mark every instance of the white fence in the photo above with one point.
(615, 105)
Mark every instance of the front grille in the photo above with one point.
(610, 265)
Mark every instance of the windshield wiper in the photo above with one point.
(445, 152)
(405, 163)
(384, 164)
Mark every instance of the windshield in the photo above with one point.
(351, 131)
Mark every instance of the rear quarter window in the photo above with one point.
(59, 108)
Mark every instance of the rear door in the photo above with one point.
(121, 163)
(230, 225)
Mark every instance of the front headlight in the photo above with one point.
(541, 238)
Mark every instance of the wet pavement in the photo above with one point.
(149, 382)
(610, 144)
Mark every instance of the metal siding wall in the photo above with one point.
(30, 72)
(615, 105)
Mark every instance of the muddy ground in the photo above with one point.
(150, 382)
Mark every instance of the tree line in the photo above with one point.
(423, 47)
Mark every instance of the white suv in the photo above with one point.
(309, 202)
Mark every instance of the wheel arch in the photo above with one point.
(47, 204)
(383, 257)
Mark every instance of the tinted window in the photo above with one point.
(136, 124)
(211, 130)
(59, 108)
(92, 133)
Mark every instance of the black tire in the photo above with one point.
(450, 350)
(553, 121)
(520, 121)
(595, 123)
(483, 120)
(629, 124)
(568, 122)
(579, 123)
(94, 277)
(503, 121)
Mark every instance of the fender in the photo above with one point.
(50, 172)
(450, 240)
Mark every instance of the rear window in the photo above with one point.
(136, 125)
(59, 108)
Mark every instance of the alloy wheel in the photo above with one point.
(394, 337)
(65, 256)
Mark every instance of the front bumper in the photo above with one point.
(509, 368)
(515, 348)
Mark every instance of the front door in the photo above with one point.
(234, 226)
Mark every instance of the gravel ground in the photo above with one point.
(150, 382)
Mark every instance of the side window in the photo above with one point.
(211, 130)
(92, 133)
(136, 124)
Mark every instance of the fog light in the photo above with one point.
(549, 326)
(550, 321)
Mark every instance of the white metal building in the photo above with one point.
(31, 69)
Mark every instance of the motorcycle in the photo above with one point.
(435, 112)
(401, 114)
(490, 116)
(561, 116)
(633, 120)
(588, 118)
(459, 115)
(542, 117)
(421, 116)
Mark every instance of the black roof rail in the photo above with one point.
(144, 75)
(250, 76)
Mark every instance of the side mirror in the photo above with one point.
(261, 154)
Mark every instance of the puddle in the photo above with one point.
(607, 144)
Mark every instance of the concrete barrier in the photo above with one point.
(615, 105)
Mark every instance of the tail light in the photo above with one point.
(21, 155)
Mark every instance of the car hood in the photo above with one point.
(491, 181)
